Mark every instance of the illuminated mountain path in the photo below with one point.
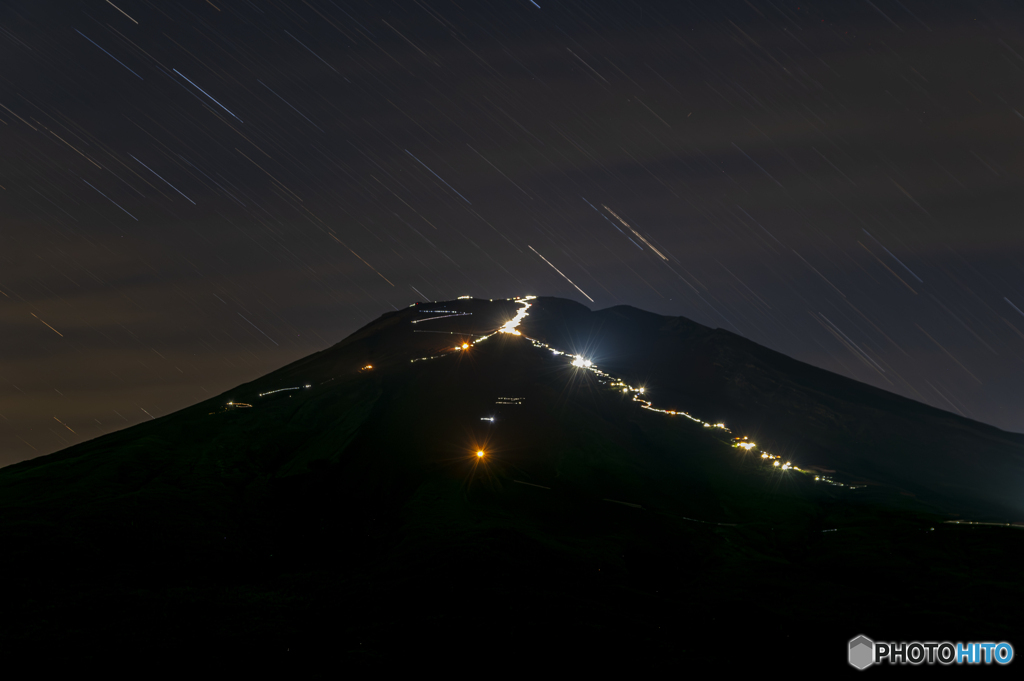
(511, 327)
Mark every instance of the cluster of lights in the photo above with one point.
(777, 463)
(238, 404)
(626, 388)
(510, 325)
(580, 361)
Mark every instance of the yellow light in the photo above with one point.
(465, 346)
(480, 454)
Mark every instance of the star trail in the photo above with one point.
(194, 194)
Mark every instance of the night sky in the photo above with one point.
(193, 194)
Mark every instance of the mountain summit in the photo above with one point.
(520, 475)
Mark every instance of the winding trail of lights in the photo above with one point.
(511, 327)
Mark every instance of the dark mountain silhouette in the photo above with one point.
(336, 512)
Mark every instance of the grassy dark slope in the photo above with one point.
(351, 523)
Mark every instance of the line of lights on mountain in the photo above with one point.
(444, 316)
(580, 362)
(298, 387)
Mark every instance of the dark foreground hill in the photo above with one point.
(336, 514)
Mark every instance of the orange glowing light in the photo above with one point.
(465, 346)
(480, 454)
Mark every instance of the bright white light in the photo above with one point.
(579, 361)
(510, 325)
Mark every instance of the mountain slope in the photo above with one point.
(869, 435)
(345, 515)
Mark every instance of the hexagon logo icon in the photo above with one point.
(862, 652)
